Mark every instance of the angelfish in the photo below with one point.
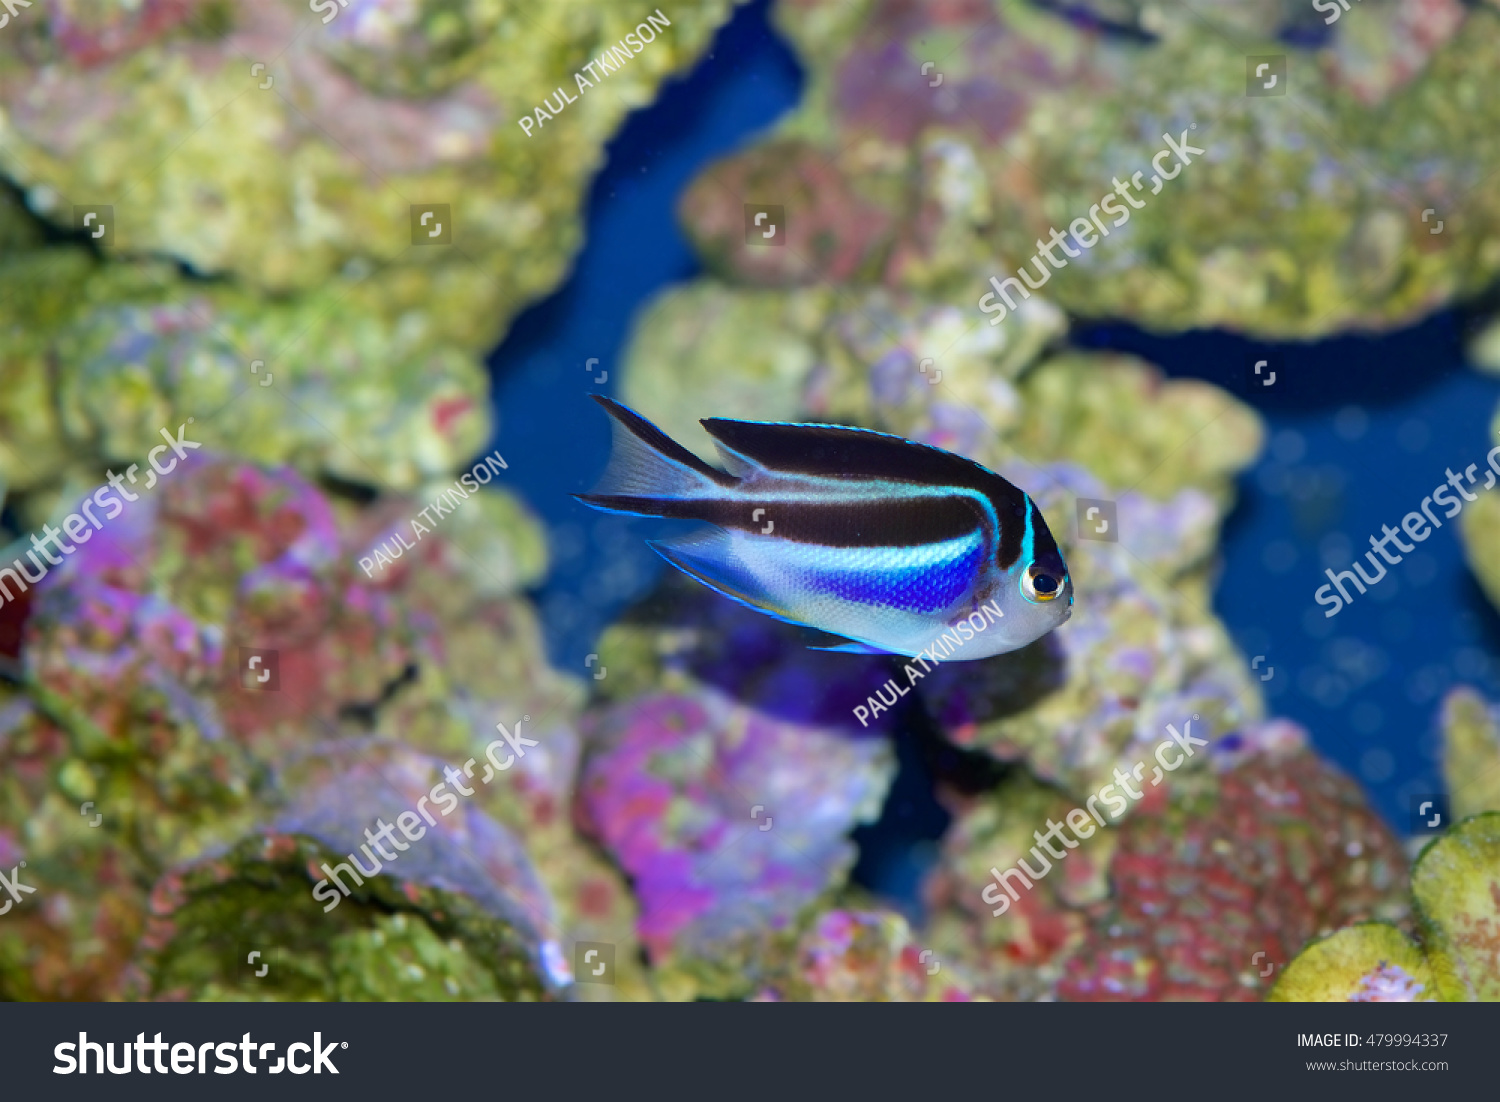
(886, 543)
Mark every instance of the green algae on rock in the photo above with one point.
(294, 167)
(909, 365)
(1480, 529)
(96, 357)
(1134, 429)
(1368, 962)
(1305, 214)
(751, 349)
(1471, 753)
(1455, 886)
(245, 926)
(900, 363)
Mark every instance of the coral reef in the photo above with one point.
(230, 698)
(285, 193)
(176, 112)
(1480, 529)
(1140, 652)
(1302, 215)
(210, 792)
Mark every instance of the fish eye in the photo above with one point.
(1040, 586)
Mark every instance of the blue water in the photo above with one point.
(555, 439)
(1360, 431)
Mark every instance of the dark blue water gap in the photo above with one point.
(554, 438)
(1359, 431)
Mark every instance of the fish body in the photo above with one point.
(888, 543)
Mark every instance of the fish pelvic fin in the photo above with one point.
(647, 468)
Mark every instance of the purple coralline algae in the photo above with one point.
(730, 824)
(1389, 983)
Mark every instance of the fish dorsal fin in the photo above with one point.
(834, 451)
(840, 453)
(646, 462)
(736, 464)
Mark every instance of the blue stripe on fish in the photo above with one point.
(929, 578)
(1028, 542)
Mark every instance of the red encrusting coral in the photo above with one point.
(1215, 890)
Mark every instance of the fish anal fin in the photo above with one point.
(853, 648)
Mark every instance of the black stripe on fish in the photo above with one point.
(833, 451)
(874, 522)
(1043, 546)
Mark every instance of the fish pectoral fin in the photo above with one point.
(853, 648)
(708, 558)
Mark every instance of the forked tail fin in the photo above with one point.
(649, 473)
